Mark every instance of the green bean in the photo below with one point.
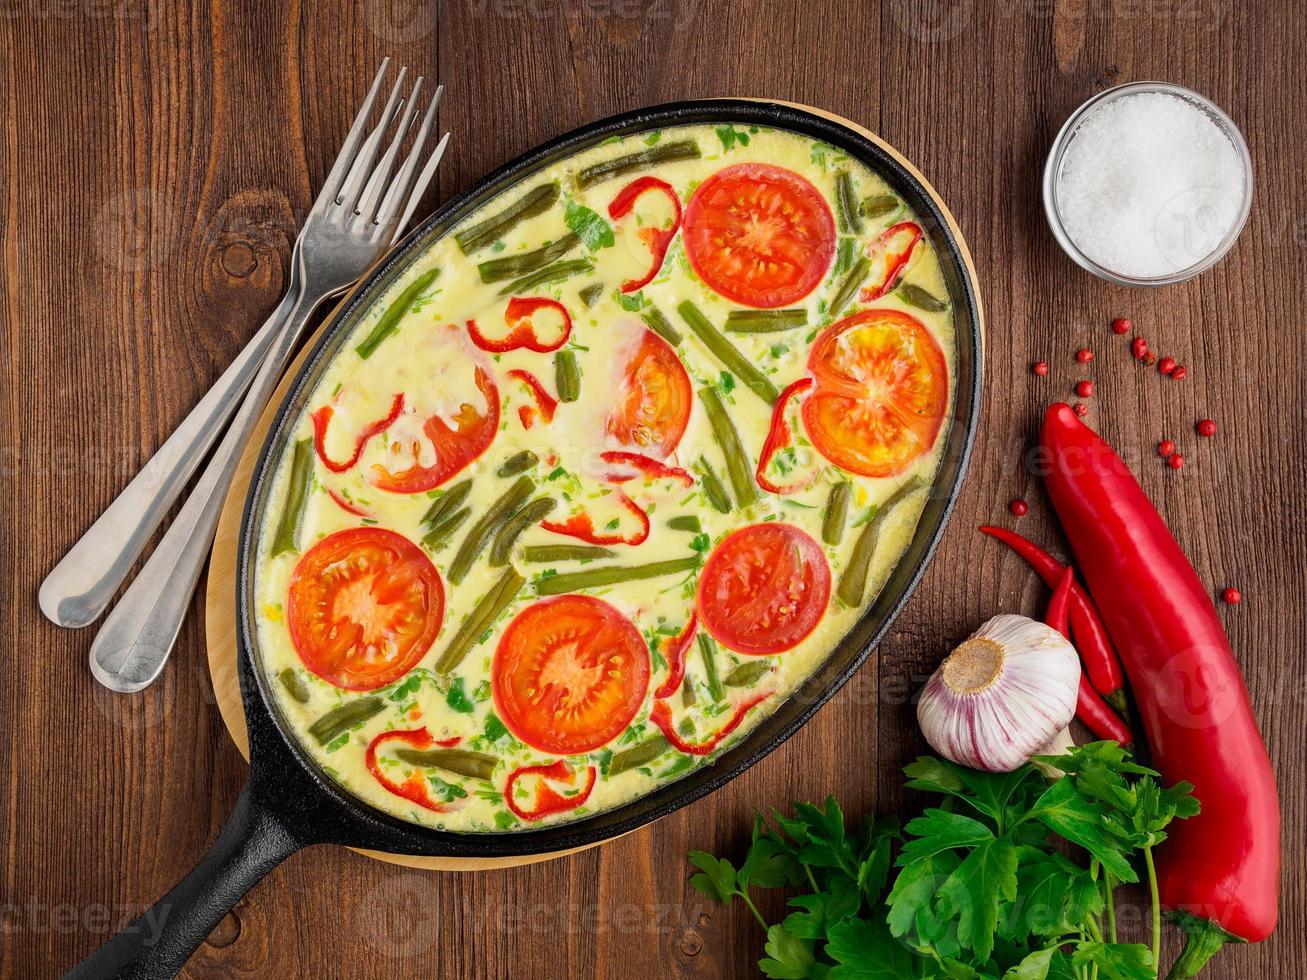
(515, 525)
(591, 293)
(708, 650)
(294, 685)
(637, 755)
(914, 295)
(517, 463)
(846, 204)
(664, 152)
(713, 488)
(520, 263)
(728, 353)
(389, 321)
(853, 583)
(593, 578)
(544, 553)
(685, 522)
(765, 321)
(849, 286)
(476, 540)
(728, 439)
(444, 529)
(297, 494)
(461, 762)
(747, 674)
(549, 274)
(535, 201)
(848, 248)
(878, 205)
(567, 376)
(480, 619)
(837, 512)
(659, 324)
(343, 717)
(447, 503)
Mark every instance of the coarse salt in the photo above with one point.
(1149, 185)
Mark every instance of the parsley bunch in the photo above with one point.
(982, 887)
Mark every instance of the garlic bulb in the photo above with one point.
(1002, 696)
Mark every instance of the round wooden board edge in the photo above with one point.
(219, 597)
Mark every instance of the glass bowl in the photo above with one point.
(1067, 134)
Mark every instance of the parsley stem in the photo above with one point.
(811, 880)
(1109, 886)
(744, 894)
(1157, 904)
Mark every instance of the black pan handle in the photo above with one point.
(161, 940)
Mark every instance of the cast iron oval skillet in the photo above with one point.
(289, 803)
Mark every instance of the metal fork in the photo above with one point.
(352, 222)
(80, 587)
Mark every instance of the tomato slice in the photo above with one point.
(653, 408)
(881, 392)
(764, 588)
(569, 674)
(455, 446)
(364, 605)
(759, 235)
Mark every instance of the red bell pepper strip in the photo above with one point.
(546, 405)
(1218, 870)
(580, 525)
(674, 649)
(651, 468)
(662, 717)
(522, 331)
(657, 239)
(455, 447)
(322, 417)
(778, 438)
(413, 789)
(1090, 708)
(890, 254)
(548, 801)
(1091, 639)
(347, 506)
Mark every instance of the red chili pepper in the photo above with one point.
(580, 525)
(521, 330)
(345, 505)
(546, 405)
(657, 239)
(414, 788)
(1090, 708)
(547, 800)
(1100, 660)
(1060, 603)
(651, 468)
(778, 438)
(894, 249)
(662, 717)
(673, 649)
(322, 417)
(1222, 867)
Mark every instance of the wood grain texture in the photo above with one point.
(155, 160)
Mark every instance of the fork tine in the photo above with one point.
(331, 186)
(357, 170)
(353, 186)
(424, 178)
(381, 172)
(399, 187)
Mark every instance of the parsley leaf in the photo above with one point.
(594, 231)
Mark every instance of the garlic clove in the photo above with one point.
(1002, 695)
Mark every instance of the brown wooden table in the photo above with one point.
(156, 157)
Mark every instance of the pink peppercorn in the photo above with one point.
(1121, 325)
(1081, 409)
(1085, 389)
(1232, 596)
(1206, 428)
(1139, 347)
(1175, 461)
(1166, 447)
(1179, 372)
(1040, 368)
(1019, 507)
(1084, 355)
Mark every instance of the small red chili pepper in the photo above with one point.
(549, 801)
(1175, 461)
(1090, 708)
(893, 249)
(1019, 507)
(1139, 347)
(1100, 660)
(662, 717)
(1232, 596)
(1166, 447)
(414, 788)
(651, 468)
(322, 417)
(1166, 365)
(1085, 389)
(545, 404)
(1121, 325)
(1040, 368)
(1084, 355)
(778, 438)
(657, 239)
(673, 649)
(1206, 428)
(347, 506)
(580, 525)
(1180, 372)
(521, 328)
(1060, 604)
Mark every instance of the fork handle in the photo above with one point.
(137, 637)
(80, 587)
